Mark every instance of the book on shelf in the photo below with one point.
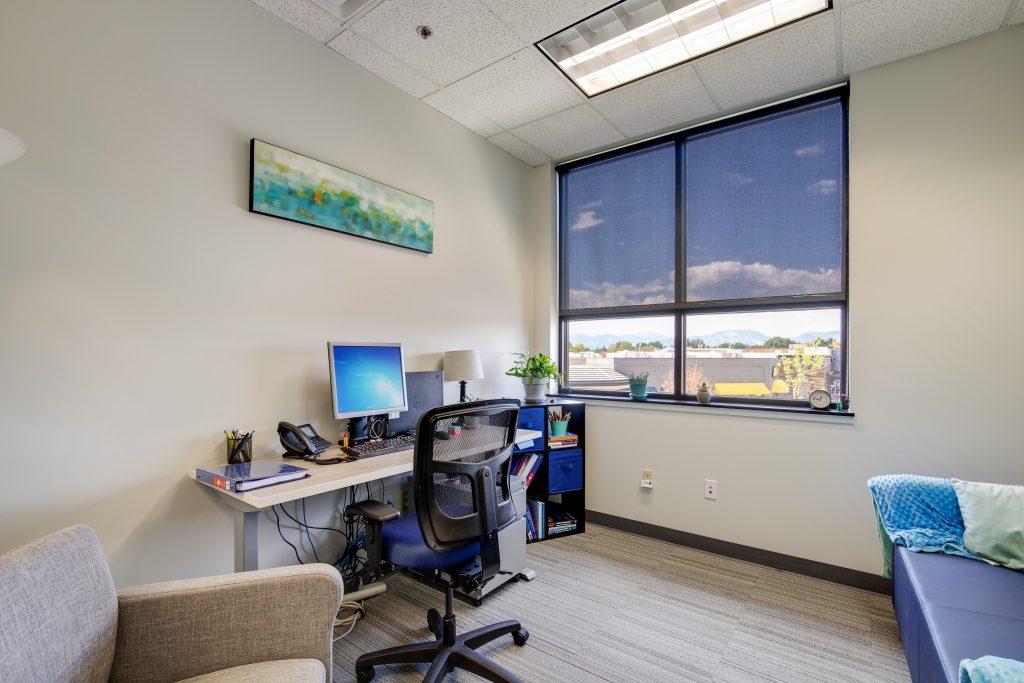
(531, 469)
(561, 519)
(538, 512)
(531, 528)
(555, 530)
(565, 441)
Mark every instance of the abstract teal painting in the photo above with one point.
(287, 185)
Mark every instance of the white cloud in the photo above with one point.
(586, 220)
(738, 179)
(823, 186)
(734, 280)
(810, 150)
(608, 294)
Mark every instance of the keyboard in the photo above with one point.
(368, 449)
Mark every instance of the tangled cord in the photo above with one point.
(357, 613)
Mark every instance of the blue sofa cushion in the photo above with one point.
(403, 545)
(951, 608)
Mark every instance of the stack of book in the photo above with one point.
(560, 523)
(564, 441)
(525, 465)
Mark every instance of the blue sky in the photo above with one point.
(763, 215)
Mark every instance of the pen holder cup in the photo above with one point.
(559, 427)
(239, 450)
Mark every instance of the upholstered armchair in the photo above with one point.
(62, 620)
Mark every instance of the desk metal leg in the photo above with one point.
(246, 541)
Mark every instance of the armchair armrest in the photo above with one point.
(178, 629)
(373, 511)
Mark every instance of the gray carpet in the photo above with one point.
(611, 606)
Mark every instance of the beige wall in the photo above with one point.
(144, 310)
(936, 331)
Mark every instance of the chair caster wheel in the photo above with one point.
(365, 675)
(434, 622)
(520, 637)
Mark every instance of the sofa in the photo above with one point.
(950, 608)
(62, 620)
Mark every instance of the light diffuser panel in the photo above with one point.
(636, 38)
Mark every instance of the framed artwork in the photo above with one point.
(297, 188)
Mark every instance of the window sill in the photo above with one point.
(722, 409)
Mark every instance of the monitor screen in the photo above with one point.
(366, 379)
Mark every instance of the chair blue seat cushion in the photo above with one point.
(403, 545)
(951, 608)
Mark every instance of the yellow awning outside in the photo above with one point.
(741, 389)
(780, 387)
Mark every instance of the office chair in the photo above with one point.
(462, 499)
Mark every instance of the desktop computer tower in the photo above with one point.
(424, 390)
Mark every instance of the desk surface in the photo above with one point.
(326, 478)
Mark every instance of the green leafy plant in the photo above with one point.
(538, 367)
(704, 387)
(640, 376)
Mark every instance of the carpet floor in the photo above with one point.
(611, 606)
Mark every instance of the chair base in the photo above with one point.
(449, 650)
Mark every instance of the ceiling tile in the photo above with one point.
(466, 36)
(580, 129)
(521, 88)
(533, 20)
(880, 31)
(796, 57)
(304, 16)
(454, 108)
(380, 62)
(669, 99)
(1018, 14)
(519, 149)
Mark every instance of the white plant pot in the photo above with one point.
(536, 389)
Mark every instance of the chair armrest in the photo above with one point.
(178, 629)
(373, 511)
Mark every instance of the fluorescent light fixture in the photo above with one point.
(636, 38)
(346, 10)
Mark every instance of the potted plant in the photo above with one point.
(704, 394)
(638, 385)
(536, 372)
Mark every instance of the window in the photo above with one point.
(603, 353)
(752, 213)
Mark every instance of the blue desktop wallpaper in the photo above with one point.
(368, 378)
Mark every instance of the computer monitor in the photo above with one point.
(366, 379)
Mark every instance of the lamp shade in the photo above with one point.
(11, 147)
(462, 365)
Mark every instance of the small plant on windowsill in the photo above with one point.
(536, 372)
(638, 385)
(704, 394)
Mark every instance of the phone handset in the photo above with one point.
(296, 444)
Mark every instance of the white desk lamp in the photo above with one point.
(460, 366)
(11, 147)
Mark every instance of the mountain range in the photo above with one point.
(749, 337)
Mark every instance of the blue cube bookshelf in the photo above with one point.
(560, 479)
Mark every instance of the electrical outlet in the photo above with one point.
(647, 479)
(711, 489)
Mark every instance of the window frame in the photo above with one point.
(680, 307)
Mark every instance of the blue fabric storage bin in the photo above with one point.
(532, 418)
(565, 470)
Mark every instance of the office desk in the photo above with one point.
(321, 479)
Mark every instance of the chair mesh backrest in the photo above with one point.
(463, 440)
